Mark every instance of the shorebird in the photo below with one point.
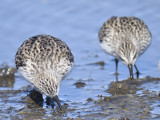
(44, 61)
(125, 38)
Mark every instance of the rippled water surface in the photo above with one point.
(77, 23)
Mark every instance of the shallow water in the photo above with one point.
(77, 23)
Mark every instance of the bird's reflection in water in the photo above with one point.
(37, 97)
(137, 74)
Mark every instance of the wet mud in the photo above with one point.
(90, 91)
(123, 103)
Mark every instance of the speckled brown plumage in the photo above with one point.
(44, 61)
(125, 38)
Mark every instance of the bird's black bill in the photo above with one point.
(116, 61)
(58, 102)
(131, 71)
(116, 73)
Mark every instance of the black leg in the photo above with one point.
(58, 102)
(36, 96)
(130, 66)
(137, 71)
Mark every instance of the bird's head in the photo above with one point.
(128, 52)
(48, 85)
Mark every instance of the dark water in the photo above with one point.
(77, 23)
